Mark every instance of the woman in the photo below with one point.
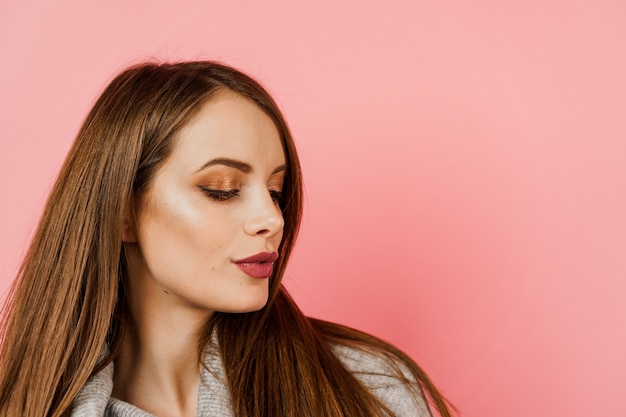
(152, 285)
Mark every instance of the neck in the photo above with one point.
(158, 368)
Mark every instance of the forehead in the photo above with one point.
(231, 126)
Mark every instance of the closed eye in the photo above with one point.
(277, 196)
(220, 195)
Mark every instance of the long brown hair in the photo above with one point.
(68, 302)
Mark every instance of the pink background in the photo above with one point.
(465, 169)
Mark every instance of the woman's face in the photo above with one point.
(206, 232)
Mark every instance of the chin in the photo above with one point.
(255, 306)
(247, 305)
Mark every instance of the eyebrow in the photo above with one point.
(239, 165)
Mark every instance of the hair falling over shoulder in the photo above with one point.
(67, 304)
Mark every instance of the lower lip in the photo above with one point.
(257, 269)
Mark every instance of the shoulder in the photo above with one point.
(386, 378)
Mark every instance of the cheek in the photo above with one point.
(168, 216)
(176, 234)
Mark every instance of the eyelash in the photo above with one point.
(220, 195)
(225, 195)
(277, 196)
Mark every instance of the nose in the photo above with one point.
(265, 217)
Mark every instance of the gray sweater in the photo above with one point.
(95, 399)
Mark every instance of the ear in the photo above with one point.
(129, 225)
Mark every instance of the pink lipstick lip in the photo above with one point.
(260, 265)
(263, 257)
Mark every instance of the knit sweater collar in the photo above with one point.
(94, 399)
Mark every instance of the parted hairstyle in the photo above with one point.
(67, 304)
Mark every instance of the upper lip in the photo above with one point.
(262, 257)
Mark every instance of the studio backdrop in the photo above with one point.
(464, 166)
